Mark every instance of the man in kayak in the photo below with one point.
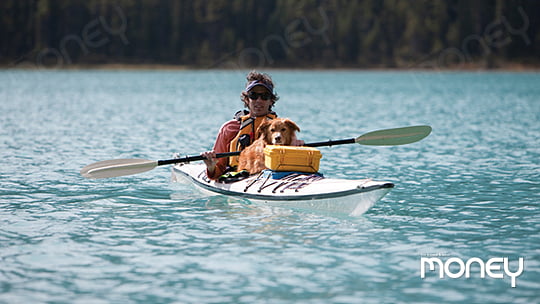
(240, 132)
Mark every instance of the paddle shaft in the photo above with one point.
(188, 159)
(330, 143)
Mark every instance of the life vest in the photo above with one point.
(247, 134)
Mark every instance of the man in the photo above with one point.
(236, 134)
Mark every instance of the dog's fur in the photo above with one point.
(279, 131)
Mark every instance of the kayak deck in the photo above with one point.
(295, 190)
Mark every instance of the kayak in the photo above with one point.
(296, 190)
(299, 190)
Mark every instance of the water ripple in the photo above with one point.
(469, 190)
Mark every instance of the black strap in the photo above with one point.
(238, 115)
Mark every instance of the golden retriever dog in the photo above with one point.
(279, 131)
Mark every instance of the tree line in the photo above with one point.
(268, 33)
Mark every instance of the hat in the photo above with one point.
(255, 83)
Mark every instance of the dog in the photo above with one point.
(278, 131)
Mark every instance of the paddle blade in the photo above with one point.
(117, 167)
(394, 137)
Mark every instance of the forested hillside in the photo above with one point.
(282, 33)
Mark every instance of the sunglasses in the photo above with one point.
(264, 96)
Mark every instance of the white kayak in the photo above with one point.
(296, 190)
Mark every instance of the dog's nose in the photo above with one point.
(277, 138)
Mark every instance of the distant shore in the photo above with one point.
(510, 67)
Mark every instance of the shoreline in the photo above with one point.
(510, 67)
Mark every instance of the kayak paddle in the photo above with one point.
(122, 167)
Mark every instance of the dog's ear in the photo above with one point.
(263, 128)
(292, 125)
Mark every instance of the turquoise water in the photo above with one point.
(468, 190)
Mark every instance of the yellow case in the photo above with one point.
(289, 158)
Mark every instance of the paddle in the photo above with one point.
(122, 167)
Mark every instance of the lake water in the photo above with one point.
(470, 189)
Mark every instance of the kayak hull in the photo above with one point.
(297, 191)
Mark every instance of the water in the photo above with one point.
(468, 190)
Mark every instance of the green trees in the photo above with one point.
(244, 33)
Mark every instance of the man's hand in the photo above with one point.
(210, 160)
